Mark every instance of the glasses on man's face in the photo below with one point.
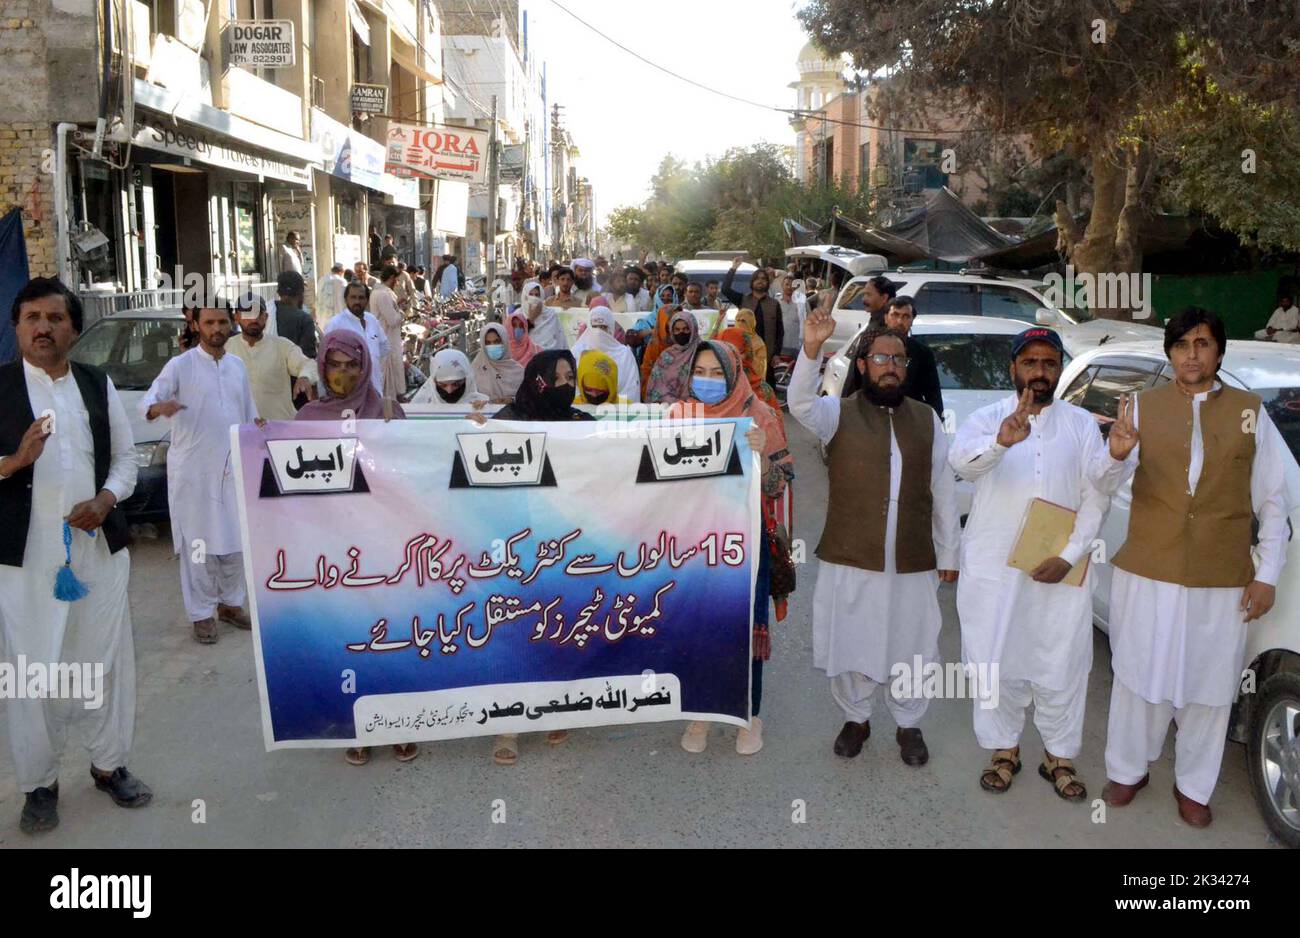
(880, 358)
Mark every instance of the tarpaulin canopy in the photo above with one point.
(13, 277)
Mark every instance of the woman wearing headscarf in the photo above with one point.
(598, 301)
(671, 374)
(451, 381)
(718, 388)
(546, 394)
(600, 336)
(652, 331)
(543, 323)
(747, 323)
(344, 365)
(547, 391)
(341, 358)
(598, 379)
(496, 373)
(521, 344)
(750, 348)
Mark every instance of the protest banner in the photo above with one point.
(572, 321)
(432, 579)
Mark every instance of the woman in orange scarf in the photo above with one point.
(718, 388)
(660, 338)
(749, 345)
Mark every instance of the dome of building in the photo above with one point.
(813, 61)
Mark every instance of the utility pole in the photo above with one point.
(492, 207)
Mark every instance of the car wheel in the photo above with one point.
(1274, 756)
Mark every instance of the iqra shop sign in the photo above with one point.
(261, 44)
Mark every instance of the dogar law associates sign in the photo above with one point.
(261, 44)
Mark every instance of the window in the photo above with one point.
(853, 296)
(1283, 406)
(1078, 387)
(1108, 383)
(947, 299)
(971, 361)
(1009, 303)
(132, 351)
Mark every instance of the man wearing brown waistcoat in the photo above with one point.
(891, 534)
(1185, 584)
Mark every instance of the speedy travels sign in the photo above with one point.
(157, 133)
(437, 152)
(261, 44)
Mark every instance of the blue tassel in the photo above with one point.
(67, 588)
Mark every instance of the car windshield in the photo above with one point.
(1283, 405)
(132, 351)
(972, 362)
(740, 284)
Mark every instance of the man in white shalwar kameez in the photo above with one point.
(205, 391)
(1185, 583)
(364, 323)
(1027, 635)
(66, 453)
(891, 535)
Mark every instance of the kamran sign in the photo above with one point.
(437, 152)
(261, 44)
(370, 99)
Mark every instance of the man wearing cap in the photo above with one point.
(891, 535)
(584, 282)
(1209, 465)
(1027, 636)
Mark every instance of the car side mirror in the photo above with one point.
(1047, 317)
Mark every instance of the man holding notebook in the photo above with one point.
(1209, 463)
(1026, 629)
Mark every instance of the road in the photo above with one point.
(199, 739)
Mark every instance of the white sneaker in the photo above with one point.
(749, 739)
(696, 737)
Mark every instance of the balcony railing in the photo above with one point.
(99, 303)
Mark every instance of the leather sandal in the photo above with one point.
(997, 777)
(852, 735)
(1060, 772)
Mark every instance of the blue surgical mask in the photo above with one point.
(519, 332)
(496, 352)
(708, 390)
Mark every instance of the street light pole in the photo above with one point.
(492, 207)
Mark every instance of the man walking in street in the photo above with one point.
(1209, 461)
(69, 461)
(356, 318)
(278, 371)
(205, 392)
(767, 311)
(329, 295)
(291, 254)
(291, 320)
(891, 534)
(385, 306)
(1028, 636)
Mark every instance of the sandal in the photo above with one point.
(358, 756)
(505, 749)
(406, 752)
(1068, 779)
(997, 777)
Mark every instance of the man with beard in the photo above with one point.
(922, 382)
(565, 297)
(634, 298)
(876, 297)
(1029, 633)
(584, 281)
(891, 534)
(278, 371)
(357, 299)
(1207, 541)
(205, 392)
(766, 309)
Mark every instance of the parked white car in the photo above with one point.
(973, 355)
(983, 294)
(1267, 720)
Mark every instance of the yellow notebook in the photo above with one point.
(1044, 532)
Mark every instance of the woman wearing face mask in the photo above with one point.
(599, 336)
(718, 389)
(672, 370)
(544, 325)
(546, 394)
(451, 381)
(495, 372)
(344, 365)
(521, 344)
(598, 380)
(751, 352)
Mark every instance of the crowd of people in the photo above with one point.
(1184, 586)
